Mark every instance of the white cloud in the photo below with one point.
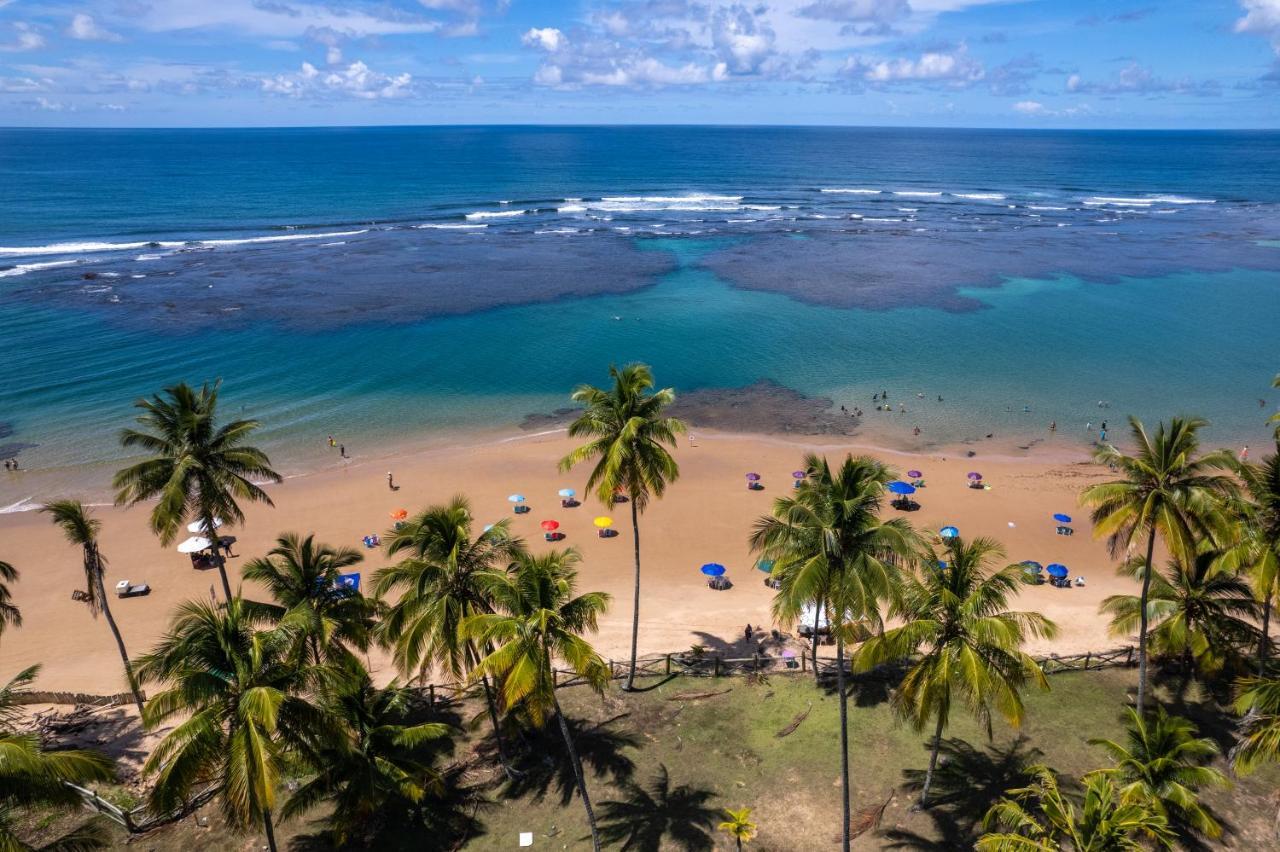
(85, 28)
(281, 20)
(1029, 107)
(1261, 16)
(25, 38)
(549, 39)
(741, 41)
(333, 55)
(1035, 109)
(357, 80)
(955, 68)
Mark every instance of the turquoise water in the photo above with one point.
(447, 281)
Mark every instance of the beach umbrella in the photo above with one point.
(348, 581)
(765, 565)
(1032, 567)
(1057, 570)
(515, 498)
(195, 544)
(753, 477)
(948, 532)
(713, 569)
(974, 475)
(567, 492)
(488, 527)
(603, 522)
(399, 514)
(914, 474)
(942, 566)
(1062, 519)
(551, 526)
(788, 654)
(899, 487)
(198, 526)
(798, 474)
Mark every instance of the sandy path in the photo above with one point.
(705, 517)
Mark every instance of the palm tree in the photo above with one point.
(956, 615)
(629, 438)
(739, 826)
(1042, 818)
(81, 530)
(831, 551)
(1167, 488)
(302, 577)
(1275, 418)
(31, 777)
(241, 698)
(539, 619)
(440, 579)
(1258, 702)
(10, 615)
(382, 766)
(1197, 610)
(1163, 762)
(197, 470)
(1257, 550)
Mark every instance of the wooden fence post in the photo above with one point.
(1088, 656)
(1129, 660)
(804, 662)
(431, 695)
(668, 664)
(716, 671)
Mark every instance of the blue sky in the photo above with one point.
(1007, 63)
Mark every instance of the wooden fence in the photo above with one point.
(45, 697)
(140, 819)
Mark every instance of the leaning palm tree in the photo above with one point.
(31, 777)
(831, 551)
(1041, 817)
(81, 530)
(10, 615)
(381, 767)
(1197, 611)
(955, 614)
(1258, 703)
(439, 581)
(629, 435)
(539, 620)
(243, 708)
(1163, 761)
(1167, 489)
(1256, 551)
(739, 826)
(302, 577)
(197, 470)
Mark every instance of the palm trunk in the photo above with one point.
(115, 631)
(497, 730)
(844, 743)
(933, 763)
(1142, 624)
(1265, 643)
(212, 534)
(739, 844)
(635, 609)
(269, 829)
(817, 615)
(577, 774)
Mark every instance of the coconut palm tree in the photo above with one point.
(955, 614)
(540, 619)
(10, 615)
(197, 470)
(81, 530)
(1164, 762)
(1256, 551)
(243, 710)
(831, 551)
(1258, 702)
(330, 620)
(380, 768)
(739, 826)
(1166, 488)
(629, 435)
(439, 582)
(1197, 610)
(1041, 817)
(31, 777)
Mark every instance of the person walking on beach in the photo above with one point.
(1053, 427)
(391, 483)
(1244, 453)
(342, 450)
(332, 443)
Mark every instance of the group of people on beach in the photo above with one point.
(10, 464)
(342, 449)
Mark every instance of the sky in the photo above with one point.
(975, 63)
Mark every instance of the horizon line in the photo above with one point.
(586, 125)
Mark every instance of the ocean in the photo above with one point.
(413, 286)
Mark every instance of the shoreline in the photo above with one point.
(705, 517)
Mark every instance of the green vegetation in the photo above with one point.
(10, 615)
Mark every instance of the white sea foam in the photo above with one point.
(571, 208)
(980, 196)
(916, 193)
(761, 207)
(878, 219)
(24, 268)
(23, 505)
(450, 226)
(1045, 207)
(658, 203)
(496, 214)
(1145, 201)
(837, 190)
(95, 247)
(557, 231)
(908, 209)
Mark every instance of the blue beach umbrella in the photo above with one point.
(899, 487)
(941, 566)
(515, 498)
(348, 581)
(1057, 570)
(765, 565)
(713, 569)
(1062, 519)
(948, 532)
(567, 492)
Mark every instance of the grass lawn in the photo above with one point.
(723, 751)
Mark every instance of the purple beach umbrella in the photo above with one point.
(753, 477)
(798, 474)
(914, 474)
(974, 475)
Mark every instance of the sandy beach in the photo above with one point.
(705, 517)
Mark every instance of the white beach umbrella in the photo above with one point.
(198, 526)
(195, 544)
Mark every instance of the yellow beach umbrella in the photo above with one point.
(603, 523)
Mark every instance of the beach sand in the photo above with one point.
(705, 517)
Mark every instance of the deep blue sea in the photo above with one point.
(393, 285)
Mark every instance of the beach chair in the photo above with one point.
(80, 596)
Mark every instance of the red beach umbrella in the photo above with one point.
(550, 526)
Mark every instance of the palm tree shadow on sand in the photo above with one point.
(968, 782)
(657, 816)
(546, 766)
